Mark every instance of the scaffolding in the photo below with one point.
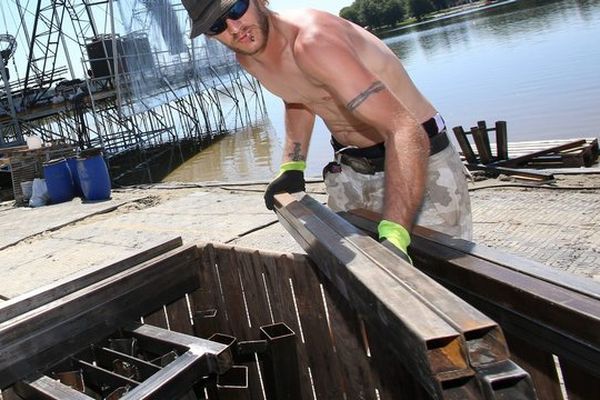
(137, 88)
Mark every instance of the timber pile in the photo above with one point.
(524, 159)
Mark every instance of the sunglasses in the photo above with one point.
(235, 12)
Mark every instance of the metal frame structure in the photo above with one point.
(143, 108)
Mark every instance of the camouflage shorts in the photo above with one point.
(446, 205)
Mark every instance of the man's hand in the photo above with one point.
(290, 180)
(395, 238)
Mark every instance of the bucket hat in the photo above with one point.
(204, 13)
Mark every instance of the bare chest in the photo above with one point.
(293, 86)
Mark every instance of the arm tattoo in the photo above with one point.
(358, 100)
(296, 154)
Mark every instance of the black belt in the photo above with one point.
(355, 159)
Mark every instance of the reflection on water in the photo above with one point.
(533, 63)
(246, 155)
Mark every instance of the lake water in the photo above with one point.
(534, 64)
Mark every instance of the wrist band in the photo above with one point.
(293, 166)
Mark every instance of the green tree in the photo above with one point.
(392, 12)
(370, 12)
(440, 4)
(352, 14)
(375, 13)
(419, 8)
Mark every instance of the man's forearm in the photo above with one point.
(299, 123)
(405, 175)
(294, 150)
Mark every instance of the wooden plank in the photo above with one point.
(178, 315)
(377, 296)
(528, 174)
(227, 270)
(339, 364)
(157, 318)
(396, 383)
(515, 162)
(248, 264)
(525, 147)
(251, 272)
(280, 286)
(207, 302)
(42, 336)
(30, 300)
(229, 278)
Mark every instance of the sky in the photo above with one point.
(332, 6)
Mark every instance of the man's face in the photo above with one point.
(248, 34)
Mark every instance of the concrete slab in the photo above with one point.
(17, 224)
(199, 216)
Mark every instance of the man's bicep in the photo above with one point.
(345, 76)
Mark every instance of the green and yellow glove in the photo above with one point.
(394, 237)
(290, 179)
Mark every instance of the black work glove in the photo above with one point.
(290, 180)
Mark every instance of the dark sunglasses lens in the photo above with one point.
(238, 9)
(218, 27)
(235, 12)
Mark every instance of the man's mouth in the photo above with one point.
(246, 36)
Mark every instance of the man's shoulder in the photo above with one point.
(316, 28)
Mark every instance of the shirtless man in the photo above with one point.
(320, 64)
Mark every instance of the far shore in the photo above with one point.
(444, 14)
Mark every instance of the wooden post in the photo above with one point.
(501, 140)
(482, 143)
(486, 138)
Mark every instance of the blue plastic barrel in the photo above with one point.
(72, 162)
(93, 177)
(58, 181)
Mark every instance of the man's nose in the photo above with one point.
(233, 25)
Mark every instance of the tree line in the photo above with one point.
(377, 14)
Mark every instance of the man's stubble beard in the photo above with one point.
(263, 30)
